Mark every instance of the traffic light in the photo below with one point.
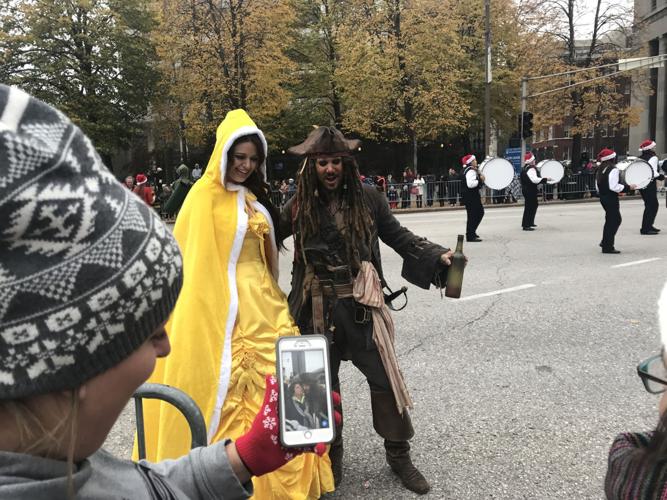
(527, 124)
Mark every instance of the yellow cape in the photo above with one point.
(210, 230)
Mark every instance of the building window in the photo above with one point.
(551, 132)
(603, 131)
(566, 131)
(626, 131)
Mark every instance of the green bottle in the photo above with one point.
(455, 272)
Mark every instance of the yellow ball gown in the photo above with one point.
(263, 317)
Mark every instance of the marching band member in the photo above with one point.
(470, 187)
(650, 192)
(529, 182)
(608, 186)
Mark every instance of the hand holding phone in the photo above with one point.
(306, 409)
(260, 448)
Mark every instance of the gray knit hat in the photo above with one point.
(87, 270)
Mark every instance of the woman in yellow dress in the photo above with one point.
(230, 312)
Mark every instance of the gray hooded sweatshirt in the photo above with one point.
(204, 473)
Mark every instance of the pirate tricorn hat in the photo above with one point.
(325, 141)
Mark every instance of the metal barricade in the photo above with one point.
(177, 398)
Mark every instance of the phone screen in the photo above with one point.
(304, 386)
(306, 413)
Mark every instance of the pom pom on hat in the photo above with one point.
(529, 157)
(606, 154)
(468, 159)
(647, 145)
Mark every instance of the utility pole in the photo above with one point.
(524, 97)
(487, 79)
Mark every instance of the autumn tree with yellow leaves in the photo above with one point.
(399, 72)
(218, 55)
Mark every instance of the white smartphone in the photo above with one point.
(306, 408)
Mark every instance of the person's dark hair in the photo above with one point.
(257, 185)
(601, 167)
(355, 210)
(656, 450)
(293, 385)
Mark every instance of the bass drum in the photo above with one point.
(553, 169)
(637, 172)
(498, 172)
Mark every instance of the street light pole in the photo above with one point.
(524, 94)
(487, 79)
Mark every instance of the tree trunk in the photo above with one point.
(414, 151)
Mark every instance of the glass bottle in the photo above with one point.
(455, 272)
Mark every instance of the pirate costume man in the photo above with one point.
(473, 181)
(650, 192)
(337, 283)
(529, 183)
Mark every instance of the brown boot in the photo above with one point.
(398, 458)
(396, 429)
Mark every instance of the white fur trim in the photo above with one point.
(608, 157)
(650, 146)
(17, 101)
(226, 361)
(662, 315)
(240, 132)
(531, 159)
(472, 157)
(272, 237)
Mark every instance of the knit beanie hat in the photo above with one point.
(87, 270)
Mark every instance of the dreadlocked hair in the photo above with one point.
(257, 185)
(353, 205)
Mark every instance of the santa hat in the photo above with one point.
(468, 159)
(529, 158)
(646, 145)
(606, 154)
(141, 179)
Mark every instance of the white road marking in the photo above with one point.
(636, 262)
(498, 292)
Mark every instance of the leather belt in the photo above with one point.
(319, 289)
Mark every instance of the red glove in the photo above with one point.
(260, 448)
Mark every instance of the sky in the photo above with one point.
(587, 14)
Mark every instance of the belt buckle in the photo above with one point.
(362, 315)
(327, 285)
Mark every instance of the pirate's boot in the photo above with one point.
(396, 429)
